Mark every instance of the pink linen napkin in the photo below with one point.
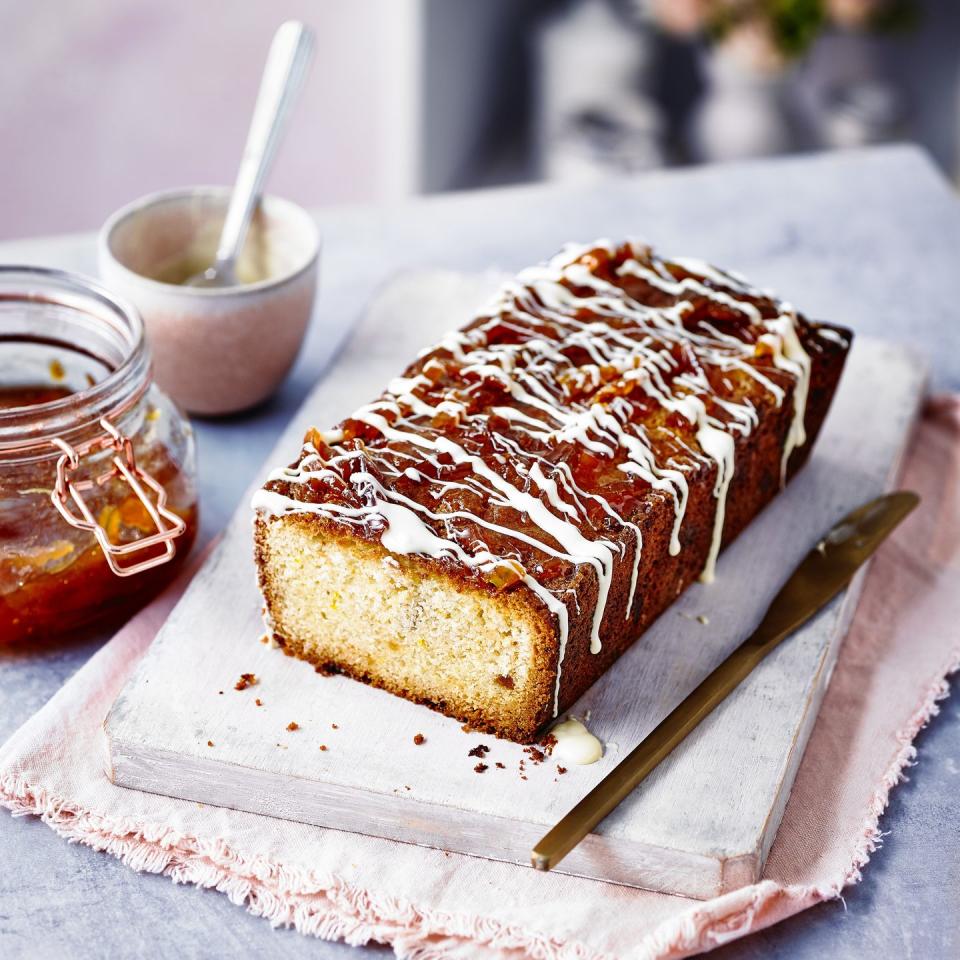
(425, 903)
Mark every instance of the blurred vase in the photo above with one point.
(593, 116)
(744, 112)
(849, 94)
(861, 114)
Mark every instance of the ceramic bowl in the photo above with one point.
(216, 351)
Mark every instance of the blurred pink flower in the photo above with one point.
(681, 17)
(752, 44)
(853, 13)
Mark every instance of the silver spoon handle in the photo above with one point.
(283, 74)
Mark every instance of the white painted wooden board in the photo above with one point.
(702, 824)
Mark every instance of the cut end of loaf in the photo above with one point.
(486, 659)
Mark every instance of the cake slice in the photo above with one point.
(497, 527)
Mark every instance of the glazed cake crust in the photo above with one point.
(575, 456)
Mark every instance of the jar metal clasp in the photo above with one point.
(169, 526)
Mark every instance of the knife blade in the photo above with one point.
(821, 575)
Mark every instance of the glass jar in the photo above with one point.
(98, 496)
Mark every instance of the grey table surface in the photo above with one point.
(870, 239)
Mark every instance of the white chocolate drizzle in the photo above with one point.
(570, 355)
(575, 743)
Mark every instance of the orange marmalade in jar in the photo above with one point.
(98, 499)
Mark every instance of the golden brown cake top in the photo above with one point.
(516, 448)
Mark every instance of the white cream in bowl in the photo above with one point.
(216, 351)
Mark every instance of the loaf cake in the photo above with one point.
(494, 530)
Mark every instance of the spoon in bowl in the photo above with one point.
(283, 75)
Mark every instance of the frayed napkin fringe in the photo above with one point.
(766, 903)
(332, 909)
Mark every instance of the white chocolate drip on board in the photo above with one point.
(575, 743)
(555, 310)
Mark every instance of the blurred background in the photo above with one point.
(105, 100)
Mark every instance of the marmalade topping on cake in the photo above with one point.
(515, 448)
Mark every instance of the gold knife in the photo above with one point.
(822, 574)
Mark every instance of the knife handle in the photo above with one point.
(645, 757)
(823, 573)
